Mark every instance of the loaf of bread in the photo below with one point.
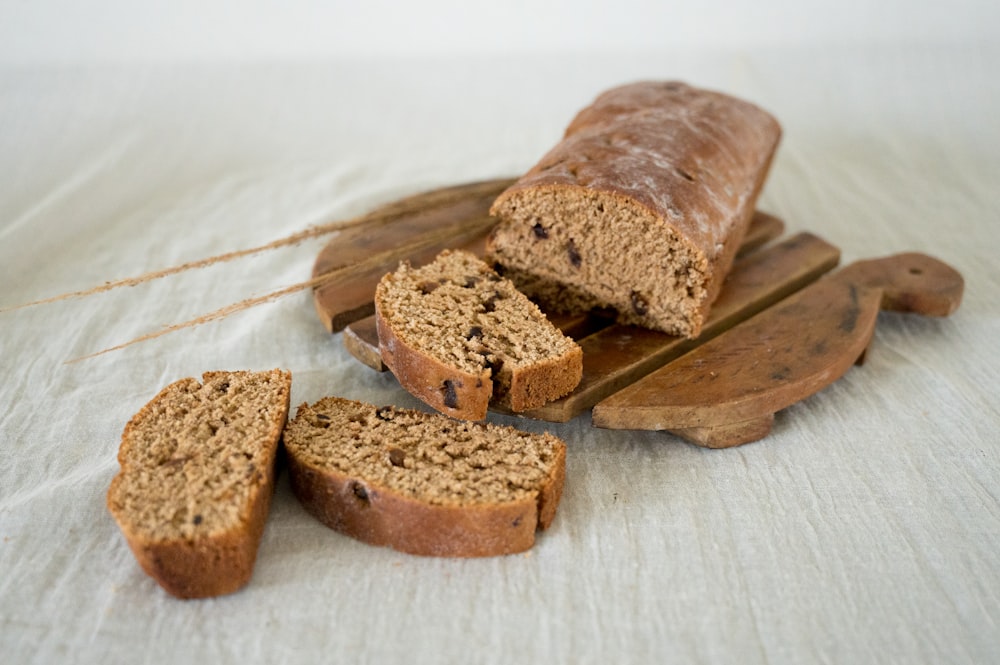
(197, 474)
(640, 208)
(459, 337)
(423, 483)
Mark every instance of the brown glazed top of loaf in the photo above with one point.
(670, 147)
(427, 457)
(192, 457)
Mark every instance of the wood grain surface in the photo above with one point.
(726, 391)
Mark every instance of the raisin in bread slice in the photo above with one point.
(459, 336)
(423, 483)
(640, 208)
(197, 474)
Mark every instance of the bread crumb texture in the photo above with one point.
(577, 250)
(193, 459)
(460, 311)
(431, 458)
(461, 337)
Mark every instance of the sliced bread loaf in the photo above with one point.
(423, 483)
(640, 208)
(197, 474)
(458, 336)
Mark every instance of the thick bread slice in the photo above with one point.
(423, 483)
(640, 208)
(197, 474)
(459, 336)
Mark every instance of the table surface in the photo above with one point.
(865, 528)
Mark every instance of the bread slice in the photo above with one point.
(640, 208)
(459, 336)
(197, 474)
(423, 483)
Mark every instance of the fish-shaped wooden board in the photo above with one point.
(632, 377)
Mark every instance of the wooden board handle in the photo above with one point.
(910, 282)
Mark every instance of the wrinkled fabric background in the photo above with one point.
(865, 528)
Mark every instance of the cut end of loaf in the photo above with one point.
(194, 456)
(575, 249)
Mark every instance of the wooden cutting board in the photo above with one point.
(616, 357)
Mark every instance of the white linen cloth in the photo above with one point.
(865, 528)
